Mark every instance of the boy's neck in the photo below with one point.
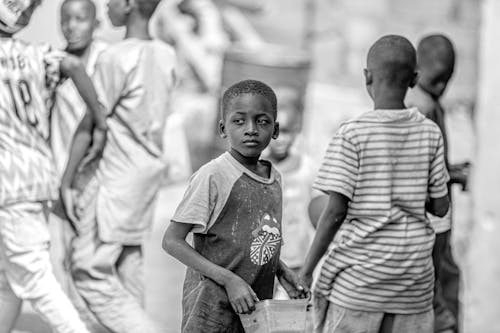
(250, 163)
(390, 99)
(82, 54)
(138, 27)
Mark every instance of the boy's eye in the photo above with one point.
(238, 121)
(263, 121)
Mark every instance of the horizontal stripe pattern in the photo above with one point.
(387, 162)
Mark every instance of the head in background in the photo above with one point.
(290, 121)
(390, 68)
(16, 15)
(248, 117)
(435, 62)
(78, 23)
(121, 11)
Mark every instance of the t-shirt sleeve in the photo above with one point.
(339, 170)
(109, 81)
(198, 204)
(438, 175)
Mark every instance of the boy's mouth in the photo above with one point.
(251, 143)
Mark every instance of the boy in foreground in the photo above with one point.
(378, 172)
(233, 208)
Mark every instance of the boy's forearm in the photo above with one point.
(185, 253)
(75, 70)
(329, 223)
(79, 145)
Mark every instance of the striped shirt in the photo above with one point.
(386, 162)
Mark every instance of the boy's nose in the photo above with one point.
(251, 128)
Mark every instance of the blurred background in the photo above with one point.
(311, 50)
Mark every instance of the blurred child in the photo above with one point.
(436, 62)
(298, 175)
(233, 208)
(378, 171)
(134, 79)
(78, 23)
(29, 75)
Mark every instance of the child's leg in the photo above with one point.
(24, 247)
(10, 304)
(130, 271)
(94, 271)
(414, 323)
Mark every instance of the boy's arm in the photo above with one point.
(79, 146)
(290, 281)
(240, 294)
(73, 68)
(329, 223)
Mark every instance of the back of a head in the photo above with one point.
(435, 49)
(252, 87)
(147, 7)
(392, 61)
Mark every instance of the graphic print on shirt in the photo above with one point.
(266, 240)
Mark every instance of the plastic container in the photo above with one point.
(277, 316)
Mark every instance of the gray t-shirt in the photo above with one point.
(237, 218)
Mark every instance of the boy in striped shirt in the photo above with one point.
(378, 171)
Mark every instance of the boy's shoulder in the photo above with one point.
(126, 53)
(420, 99)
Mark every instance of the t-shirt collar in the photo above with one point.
(248, 172)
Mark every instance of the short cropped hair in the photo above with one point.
(90, 3)
(147, 7)
(436, 47)
(252, 87)
(393, 59)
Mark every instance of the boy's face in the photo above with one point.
(289, 127)
(249, 124)
(118, 12)
(78, 23)
(435, 79)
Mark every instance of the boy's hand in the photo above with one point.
(68, 201)
(96, 149)
(291, 282)
(305, 278)
(240, 294)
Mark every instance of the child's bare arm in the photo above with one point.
(240, 294)
(72, 67)
(79, 146)
(290, 281)
(438, 206)
(329, 223)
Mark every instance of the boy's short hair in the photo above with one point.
(435, 48)
(393, 60)
(252, 87)
(147, 7)
(90, 3)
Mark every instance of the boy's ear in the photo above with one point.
(368, 76)
(222, 129)
(276, 131)
(414, 80)
(129, 5)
